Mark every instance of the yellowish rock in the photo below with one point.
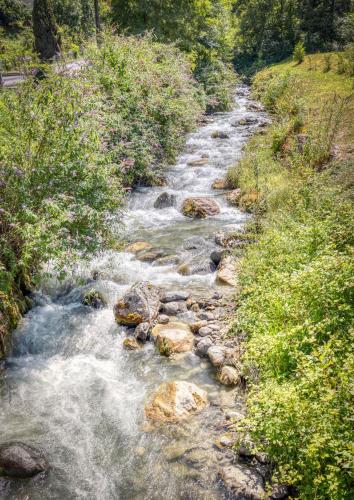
(174, 401)
(227, 273)
(228, 375)
(131, 344)
(198, 163)
(173, 337)
(138, 246)
(219, 184)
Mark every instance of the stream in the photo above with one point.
(71, 390)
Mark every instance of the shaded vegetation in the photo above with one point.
(296, 281)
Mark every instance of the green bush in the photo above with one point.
(68, 144)
(299, 52)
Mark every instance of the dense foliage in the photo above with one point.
(202, 28)
(14, 14)
(269, 29)
(297, 290)
(68, 144)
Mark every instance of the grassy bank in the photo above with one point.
(70, 145)
(296, 297)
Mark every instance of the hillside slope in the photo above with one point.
(295, 304)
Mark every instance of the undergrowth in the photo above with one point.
(296, 298)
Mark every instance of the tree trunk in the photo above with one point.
(97, 16)
(46, 37)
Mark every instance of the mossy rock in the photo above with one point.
(93, 298)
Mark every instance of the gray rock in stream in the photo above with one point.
(21, 460)
(165, 200)
(173, 308)
(142, 332)
(174, 296)
(139, 305)
(243, 482)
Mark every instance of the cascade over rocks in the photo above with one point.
(174, 401)
(140, 304)
(200, 207)
(21, 460)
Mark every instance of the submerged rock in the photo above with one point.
(194, 243)
(198, 163)
(138, 246)
(200, 207)
(140, 304)
(243, 482)
(226, 273)
(219, 184)
(131, 344)
(21, 460)
(219, 135)
(173, 337)
(165, 200)
(174, 401)
(167, 260)
(93, 298)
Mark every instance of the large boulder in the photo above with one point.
(243, 482)
(200, 207)
(139, 305)
(173, 337)
(165, 200)
(174, 401)
(20, 460)
(226, 273)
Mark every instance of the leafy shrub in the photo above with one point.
(14, 14)
(68, 144)
(299, 52)
(327, 62)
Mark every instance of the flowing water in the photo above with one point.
(71, 390)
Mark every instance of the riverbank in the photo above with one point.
(295, 305)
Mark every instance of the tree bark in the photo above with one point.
(97, 16)
(46, 37)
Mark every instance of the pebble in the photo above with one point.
(216, 354)
(163, 319)
(205, 331)
(208, 316)
(203, 346)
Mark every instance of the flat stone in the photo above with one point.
(175, 337)
(138, 246)
(198, 163)
(174, 401)
(173, 308)
(174, 296)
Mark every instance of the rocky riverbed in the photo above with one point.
(125, 378)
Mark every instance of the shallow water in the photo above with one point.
(71, 390)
